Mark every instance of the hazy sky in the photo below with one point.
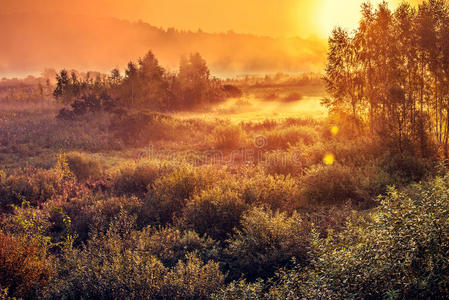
(263, 17)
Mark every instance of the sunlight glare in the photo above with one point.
(335, 130)
(343, 13)
(329, 159)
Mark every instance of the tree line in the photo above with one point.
(391, 75)
(144, 85)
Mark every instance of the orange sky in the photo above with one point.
(33, 35)
(263, 17)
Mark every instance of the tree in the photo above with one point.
(392, 73)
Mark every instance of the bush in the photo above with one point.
(214, 212)
(134, 179)
(34, 186)
(83, 167)
(169, 194)
(288, 137)
(137, 129)
(193, 279)
(228, 137)
(119, 263)
(330, 185)
(403, 168)
(110, 266)
(266, 242)
(88, 212)
(232, 91)
(24, 266)
(242, 290)
(284, 163)
(171, 245)
(398, 251)
(277, 192)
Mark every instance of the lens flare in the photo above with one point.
(335, 130)
(329, 159)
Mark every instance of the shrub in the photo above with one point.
(288, 137)
(214, 212)
(284, 163)
(171, 245)
(119, 263)
(169, 194)
(138, 129)
(266, 242)
(242, 290)
(193, 279)
(357, 151)
(34, 186)
(330, 185)
(24, 266)
(83, 167)
(398, 251)
(134, 179)
(228, 137)
(232, 91)
(403, 168)
(88, 212)
(278, 192)
(110, 266)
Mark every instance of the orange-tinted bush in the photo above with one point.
(23, 266)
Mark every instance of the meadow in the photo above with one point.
(239, 200)
(154, 184)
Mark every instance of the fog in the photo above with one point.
(31, 42)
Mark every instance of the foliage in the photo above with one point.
(192, 279)
(388, 74)
(397, 252)
(83, 167)
(169, 194)
(215, 212)
(171, 245)
(333, 184)
(24, 266)
(145, 85)
(266, 242)
(135, 178)
(227, 137)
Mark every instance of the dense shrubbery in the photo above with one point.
(266, 242)
(215, 212)
(169, 194)
(290, 136)
(330, 185)
(135, 223)
(34, 187)
(24, 266)
(396, 252)
(135, 178)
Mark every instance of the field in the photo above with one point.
(204, 202)
(150, 182)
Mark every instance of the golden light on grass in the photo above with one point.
(329, 159)
(335, 130)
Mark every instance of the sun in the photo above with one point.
(343, 13)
